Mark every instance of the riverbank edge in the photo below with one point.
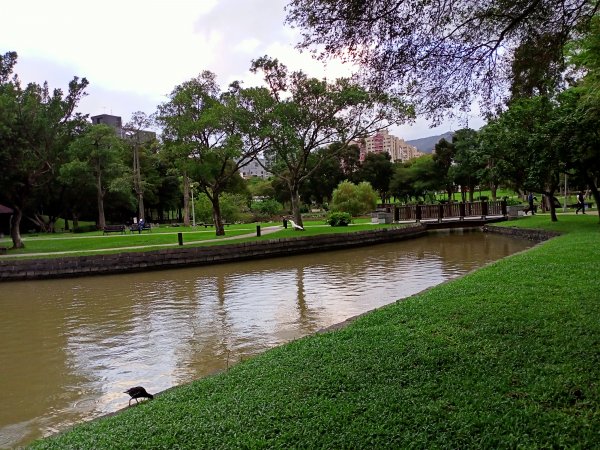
(76, 266)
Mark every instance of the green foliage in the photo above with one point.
(339, 219)
(354, 199)
(267, 208)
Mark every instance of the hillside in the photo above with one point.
(427, 144)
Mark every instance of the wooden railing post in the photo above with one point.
(461, 208)
(440, 212)
(418, 212)
(504, 208)
(484, 209)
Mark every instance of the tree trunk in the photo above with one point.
(216, 213)
(15, 228)
(295, 199)
(100, 199)
(550, 195)
(186, 200)
(494, 190)
(137, 182)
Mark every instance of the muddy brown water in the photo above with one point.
(70, 347)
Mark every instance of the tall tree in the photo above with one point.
(36, 126)
(469, 162)
(309, 113)
(213, 134)
(444, 54)
(97, 159)
(377, 169)
(443, 158)
(136, 136)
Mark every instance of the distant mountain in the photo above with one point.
(427, 144)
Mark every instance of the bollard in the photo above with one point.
(257, 230)
(180, 238)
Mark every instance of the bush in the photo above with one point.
(353, 199)
(267, 207)
(339, 219)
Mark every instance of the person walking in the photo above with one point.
(530, 199)
(580, 203)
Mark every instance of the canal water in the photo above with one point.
(69, 348)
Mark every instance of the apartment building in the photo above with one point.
(383, 141)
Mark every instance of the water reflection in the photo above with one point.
(69, 348)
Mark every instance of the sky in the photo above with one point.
(134, 52)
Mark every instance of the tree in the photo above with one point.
(469, 163)
(309, 113)
(136, 137)
(212, 135)
(444, 54)
(529, 153)
(354, 199)
(416, 178)
(377, 170)
(324, 179)
(36, 126)
(97, 159)
(443, 158)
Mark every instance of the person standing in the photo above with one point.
(580, 203)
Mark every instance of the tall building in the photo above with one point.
(117, 123)
(112, 121)
(383, 141)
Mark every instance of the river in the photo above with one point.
(70, 347)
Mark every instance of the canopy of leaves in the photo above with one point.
(443, 54)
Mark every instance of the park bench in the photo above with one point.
(113, 229)
(135, 227)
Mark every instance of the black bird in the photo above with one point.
(138, 392)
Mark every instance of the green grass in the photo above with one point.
(79, 244)
(505, 357)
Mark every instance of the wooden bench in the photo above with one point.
(135, 227)
(113, 229)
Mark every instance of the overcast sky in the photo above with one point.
(134, 52)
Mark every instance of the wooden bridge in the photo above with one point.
(448, 215)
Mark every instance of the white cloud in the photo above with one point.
(134, 52)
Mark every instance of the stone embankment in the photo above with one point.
(522, 233)
(74, 266)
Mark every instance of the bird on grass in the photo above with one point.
(138, 392)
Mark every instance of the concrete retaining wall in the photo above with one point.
(522, 233)
(196, 256)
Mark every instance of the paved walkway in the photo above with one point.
(264, 231)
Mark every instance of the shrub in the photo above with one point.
(353, 199)
(267, 207)
(339, 219)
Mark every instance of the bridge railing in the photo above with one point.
(442, 211)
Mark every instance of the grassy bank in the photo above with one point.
(67, 244)
(508, 356)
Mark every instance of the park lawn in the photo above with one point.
(505, 357)
(80, 244)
